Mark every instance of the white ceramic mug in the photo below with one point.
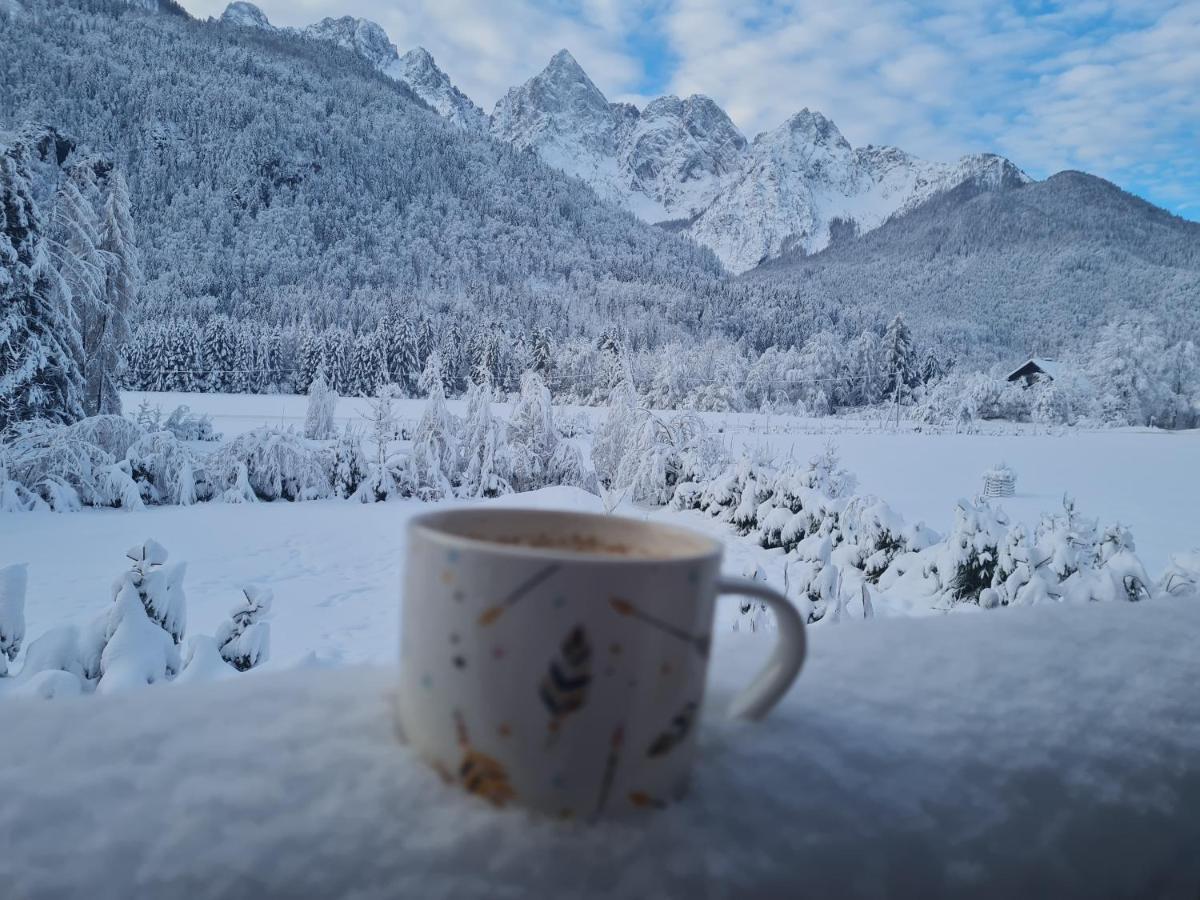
(558, 660)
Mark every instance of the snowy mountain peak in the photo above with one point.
(420, 72)
(360, 36)
(813, 128)
(246, 15)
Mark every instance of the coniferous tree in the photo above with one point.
(107, 330)
(899, 360)
(39, 339)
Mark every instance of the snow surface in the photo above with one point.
(1049, 748)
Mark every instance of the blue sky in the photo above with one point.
(1108, 86)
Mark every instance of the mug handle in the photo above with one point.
(786, 659)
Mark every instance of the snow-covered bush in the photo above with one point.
(244, 640)
(166, 471)
(966, 563)
(347, 465)
(268, 464)
(189, 426)
(64, 467)
(136, 640)
(876, 533)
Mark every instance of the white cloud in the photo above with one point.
(1105, 85)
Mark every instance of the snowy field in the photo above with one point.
(1148, 480)
(335, 565)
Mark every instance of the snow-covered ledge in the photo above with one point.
(1053, 749)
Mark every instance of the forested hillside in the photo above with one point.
(275, 178)
(1033, 268)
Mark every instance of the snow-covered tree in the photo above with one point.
(619, 431)
(107, 330)
(435, 450)
(322, 402)
(244, 639)
(487, 458)
(531, 433)
(899, 360)
(40, 346)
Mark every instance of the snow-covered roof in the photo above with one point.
(1050, 366)
(879, 774)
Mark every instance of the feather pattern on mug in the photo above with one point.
(564, 688)
(479, 773)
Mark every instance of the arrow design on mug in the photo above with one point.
(492, 613)
(610, 770)
(700, 643)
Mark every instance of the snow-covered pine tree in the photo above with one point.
(247, 376)
(310, 356)
(531, 434)
(541, 352)
(12, 613)
(77, 252)
(349, 467)
(159, 587)
(339, 360)
(107, 331)
(406, 360)
(618, 433)
(369, 368)
(40, 345)
(486, 454)
(435, 452)
(219, 349)
(867, 381)
(899, 360)
(322, 402)
(244, 640)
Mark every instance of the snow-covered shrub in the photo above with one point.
(347, 465)
(166, 471)
(12, 614)
(875, 532)
(136, 651)
(136, 640)
(68, 466)
(813, 582)
(966, 561)
(189, 426)
(244, 640)
(158, 586)
(268, 464)
(322, 402)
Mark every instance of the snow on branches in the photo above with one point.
(135, 641)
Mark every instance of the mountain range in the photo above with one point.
(683, 161)
(318, 173)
